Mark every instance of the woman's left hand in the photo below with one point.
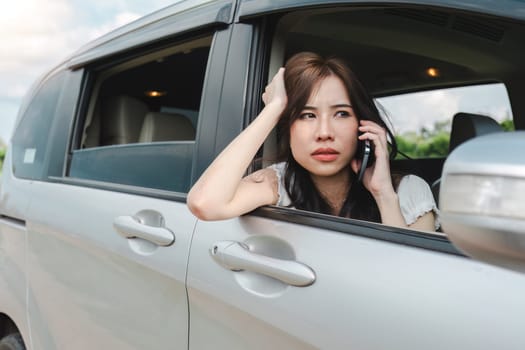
(376, 179)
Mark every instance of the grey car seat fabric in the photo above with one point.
(166, 127)
(121, 118)
(466, 126)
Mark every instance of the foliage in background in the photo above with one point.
(432, 143)
(2, 156)
(508, 125)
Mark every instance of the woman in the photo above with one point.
(322, 111)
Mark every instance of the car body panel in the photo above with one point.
(14, 201)
(69, 279)
(89, 286)
(507, 8)
(176, 19)
(411, 298)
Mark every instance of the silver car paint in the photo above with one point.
(14, 199)
(369, 294)
(91, 288)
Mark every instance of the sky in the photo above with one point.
(36, 35)
(411, 112)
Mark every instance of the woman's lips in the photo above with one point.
(325, 154)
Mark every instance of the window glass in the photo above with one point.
(422, 120)
(30, 140)
(141, 120)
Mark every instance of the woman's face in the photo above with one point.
(323, 139)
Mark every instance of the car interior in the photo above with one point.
(151, 98)
(393, 49)
(140, 121)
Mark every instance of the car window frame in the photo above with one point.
(262, 44)
(217, 56)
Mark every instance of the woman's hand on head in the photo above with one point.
(221, 192)
(275, 92)
(377, 178)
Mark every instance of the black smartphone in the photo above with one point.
(365, 152)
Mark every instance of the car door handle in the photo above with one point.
(138, 227)
(237, 256)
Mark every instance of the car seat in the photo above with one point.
(166, 127)
(466, 126)
(122, 119)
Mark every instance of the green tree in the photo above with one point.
(507, 125)
(2, 156)
(434, 142)
(426, 143)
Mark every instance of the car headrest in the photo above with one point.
(122, 118)
(166, 127)
(467, 125)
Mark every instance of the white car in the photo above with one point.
(98, 249)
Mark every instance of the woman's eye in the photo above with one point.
(307, 116)
(342, 114)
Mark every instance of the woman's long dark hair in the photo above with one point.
(302, 72)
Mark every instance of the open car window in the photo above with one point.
(422, 121)
(424, 66)
(140, 122)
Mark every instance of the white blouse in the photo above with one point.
(415, 196)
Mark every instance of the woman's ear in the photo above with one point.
(355, 164)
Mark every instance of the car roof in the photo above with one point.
(174, 19)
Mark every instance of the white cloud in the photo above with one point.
(31, 39)
(422, 109)
(31, 29)
(119, 20)
(36, 35)
(411, 112)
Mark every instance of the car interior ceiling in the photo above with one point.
(391, 47)
(179, 76)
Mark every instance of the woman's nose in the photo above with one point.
(324, 129)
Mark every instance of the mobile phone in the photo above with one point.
(365, 152)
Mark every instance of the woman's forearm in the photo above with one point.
(391, 214)
(217, 186)
(390, 210)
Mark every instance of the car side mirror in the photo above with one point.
(482, 199)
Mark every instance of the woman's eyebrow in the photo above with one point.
(342, 105)
(338, 105)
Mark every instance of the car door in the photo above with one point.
(281, 278)
(290, 280)
(94, 282)
(109, 232)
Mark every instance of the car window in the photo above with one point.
(422, 120)
(31, 138)
(422, 65)
(141, 119)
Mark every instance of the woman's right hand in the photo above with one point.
(221, 192)
(275, 92)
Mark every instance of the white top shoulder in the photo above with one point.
(416, 199)
(284, 199)
(415, 196)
